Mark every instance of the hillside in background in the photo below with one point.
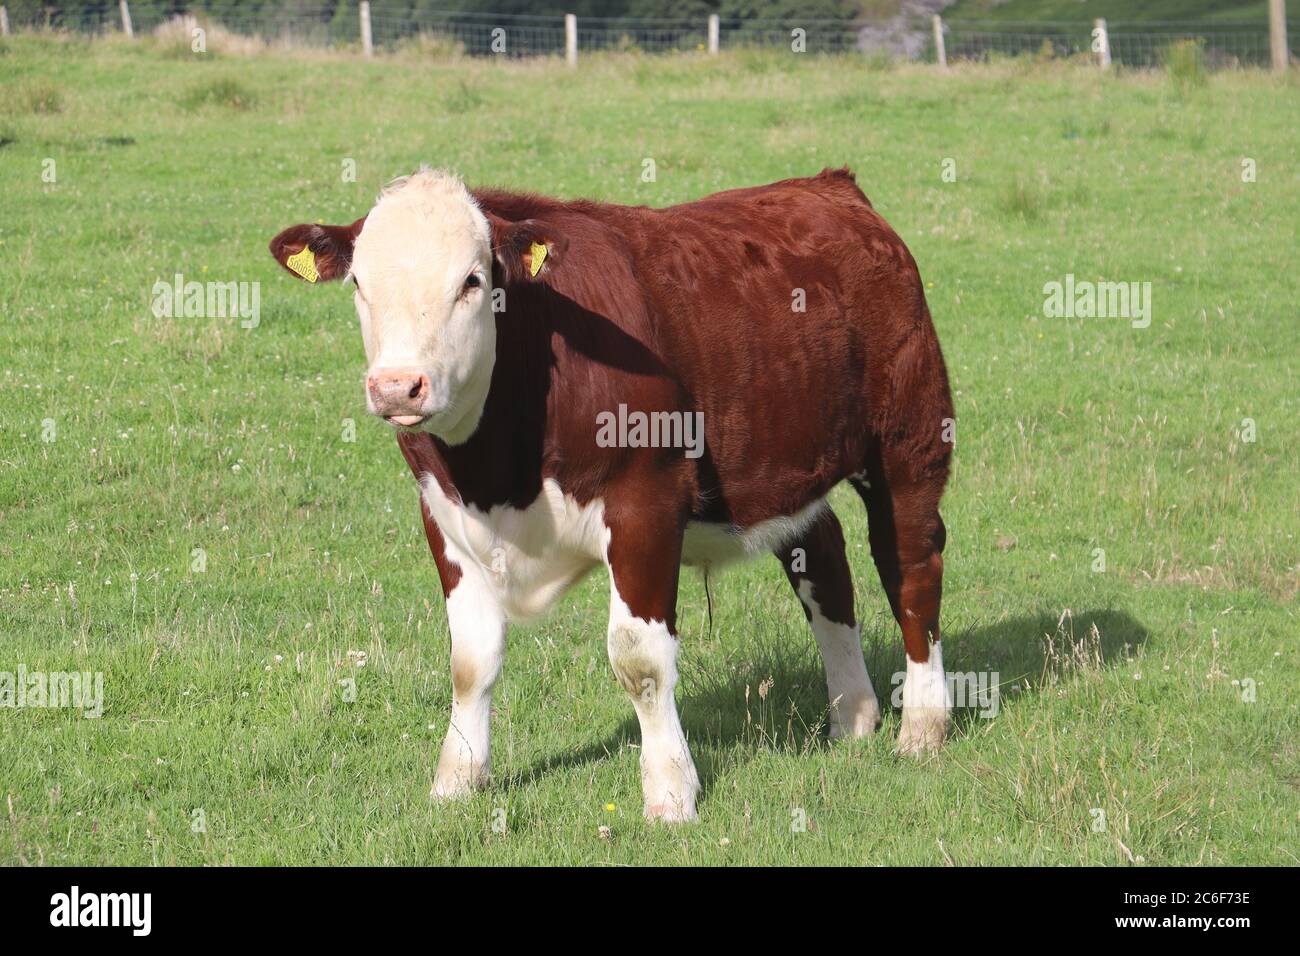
(1118, 10)
(106, 11)
(71, 11)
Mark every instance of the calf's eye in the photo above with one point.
(472, 281)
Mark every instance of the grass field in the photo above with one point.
(180, 510)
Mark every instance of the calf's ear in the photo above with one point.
(313, 252)
(526, 250)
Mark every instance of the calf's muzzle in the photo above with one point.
(398, 394)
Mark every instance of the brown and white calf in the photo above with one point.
(544, 362)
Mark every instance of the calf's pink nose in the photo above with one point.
(398, 394)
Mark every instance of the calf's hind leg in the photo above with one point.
(907, 539)
(818, 570)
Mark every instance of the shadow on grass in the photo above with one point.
(771, 693)
(1034, 647)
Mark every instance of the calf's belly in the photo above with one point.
(710, 544)
(528, 557)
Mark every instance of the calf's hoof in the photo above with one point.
(923, 731)
(457, 784)
(672, 811)
(450, 792)
(861, 719)
(669, 788)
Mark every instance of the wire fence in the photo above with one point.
(1224, 44)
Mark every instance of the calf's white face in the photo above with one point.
(422, 264)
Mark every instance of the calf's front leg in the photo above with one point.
(478, 643)
(642, 640)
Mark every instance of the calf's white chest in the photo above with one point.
(528, 556)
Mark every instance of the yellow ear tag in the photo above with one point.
(538, 252)
(304, 263)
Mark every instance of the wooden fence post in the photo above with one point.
(367, 44)
(571, 39)
(4, 21)
(1277, 34)
(713, 33)
(940, 54)
(126, 18)
(1101, 43)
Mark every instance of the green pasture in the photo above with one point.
(181, 508)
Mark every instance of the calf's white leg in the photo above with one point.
(854, 708)
(926, 704)
(478, 643)
(643, 654)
